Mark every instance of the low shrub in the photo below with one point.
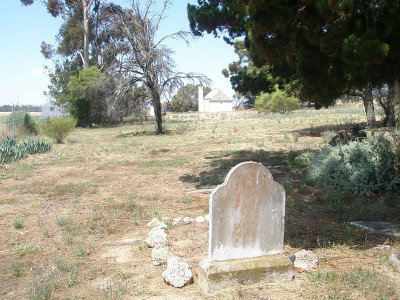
(11, 151)
(59, 128)
(357, 167)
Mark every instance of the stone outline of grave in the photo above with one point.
(266, 263)
(384, 228)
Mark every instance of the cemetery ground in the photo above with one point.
(73, 221)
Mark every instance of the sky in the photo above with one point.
(22, 29)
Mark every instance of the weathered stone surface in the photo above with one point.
(304, 260)
(247, 214)
(160, 255)
(188, 220)
(394, 258)
(218, 275)
(157, 238)
(391, 229)
(177, 221)
(178, 273)
(200, 219)
(156, 223)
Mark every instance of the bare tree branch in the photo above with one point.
(147, 61)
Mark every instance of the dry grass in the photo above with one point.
(86, 203)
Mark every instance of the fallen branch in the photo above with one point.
(203, 191)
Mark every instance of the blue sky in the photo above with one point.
(22, 29)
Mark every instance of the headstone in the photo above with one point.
(246, 230)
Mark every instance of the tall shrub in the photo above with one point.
(19, 119)
(59, 128)
(30, 125)
(358, 167)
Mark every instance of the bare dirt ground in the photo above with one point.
(84, 208)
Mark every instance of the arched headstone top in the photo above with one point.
(247, 214)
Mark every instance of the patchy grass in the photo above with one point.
(86, 204)
(359, 282)
(23, 249)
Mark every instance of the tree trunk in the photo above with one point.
(369, 106)
(157, 112)
(86, 16)
(389, 107)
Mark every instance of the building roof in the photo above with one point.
(217, 95)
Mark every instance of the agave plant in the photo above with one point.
(11, 151)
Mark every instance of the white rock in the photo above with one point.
(383, 248)
(200, 219)
(188, 220)
(304, 259)
(177, 274)
(157, 238)
(160, 255)
(156, 223)
(207, 217)
(394, 258)
(177, 221)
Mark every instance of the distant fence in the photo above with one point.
(239, 114)
(27, 108)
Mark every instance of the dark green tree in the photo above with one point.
(186, 98)
(247, 79)
(80, 86)
(336, 46)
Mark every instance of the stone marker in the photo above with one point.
(157, 238)
(178, 273)
(304, 260)
(246, 230)
(160, 255)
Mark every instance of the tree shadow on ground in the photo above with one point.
(319, 130)
(277, 162)
(310, 221)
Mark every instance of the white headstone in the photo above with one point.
(247, 215)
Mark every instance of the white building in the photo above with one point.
(214, 101)
(53, 111)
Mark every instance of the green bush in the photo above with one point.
(278, 101)
(59, 128)
(19, 120)
(23, 121)
(261, 102)
(30, 125)
(358, 167)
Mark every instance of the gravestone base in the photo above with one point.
(218, 275)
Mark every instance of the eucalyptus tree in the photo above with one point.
(69, 10)
(144, 58)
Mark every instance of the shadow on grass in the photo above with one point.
(279, 163)
(319, 130)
